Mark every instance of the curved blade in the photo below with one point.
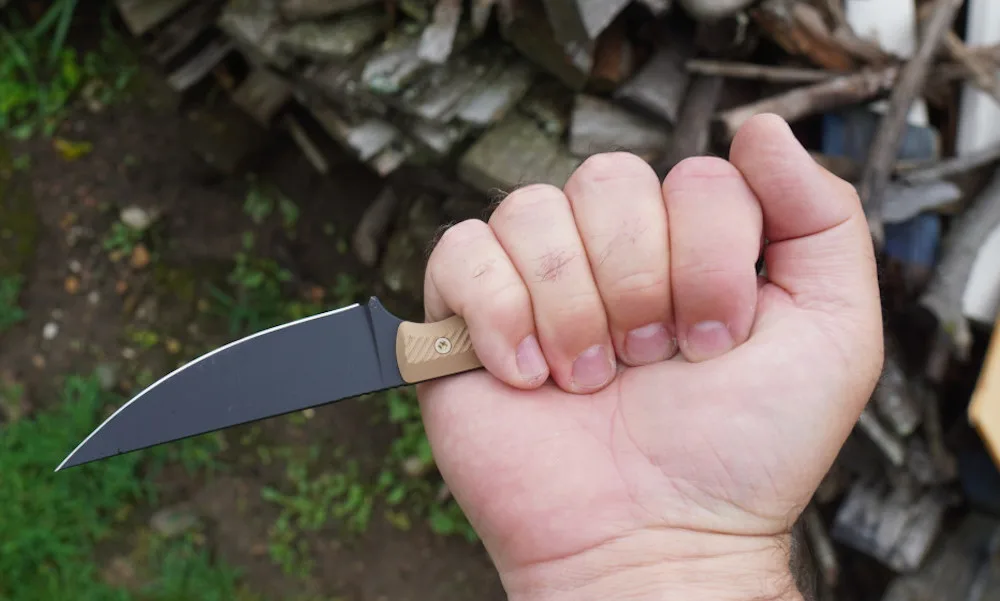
(302, 364)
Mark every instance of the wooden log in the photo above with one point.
(439, 94)
(889, 135)
(261, 95)
(195, 69)
(659, 86)
(254, 27)
(614, 59)
(332, 40)
(438, 38)
(799, 28)
(514, 152)
(365, 138)
(181, 32)
(959, 568)
(305, 143)
(810, 100)
(295, 10)
(895, 525)
(480, 15)
(391, 69)
(692, 134)
(523, 24)
(370, 234)
(494, 98)
(141, 16)
(577, 24)
(597, 126)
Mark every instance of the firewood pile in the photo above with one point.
(472, 98)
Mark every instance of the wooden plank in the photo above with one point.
(178, 35)
(514, 152)
(660, 85)
(199, 66)
(141, 16)
(391, 69)
(295, 10)
(365, 138)
(577, 24)
(984, 407)
(261, 95)
(439, 94)
(598, 125)
(692, 133)
(308, 146)
(338, 39)
(438, 38)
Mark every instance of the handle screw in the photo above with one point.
(442, 345)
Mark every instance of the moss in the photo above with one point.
(19, 223)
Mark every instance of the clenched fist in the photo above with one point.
(654, 414)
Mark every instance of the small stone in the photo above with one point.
(50, 330)
(136, 218)
(415, 466)
(121, 286)
(173, 346)
(173, 521)
(38, 361)
(129, 353)
(309, 413)
(107, 375)
(72, 285)
(140, 256)
(75, 266)
(94, 297)
(120, 573)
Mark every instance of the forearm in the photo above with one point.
(670, 564)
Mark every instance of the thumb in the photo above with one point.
(819, 248)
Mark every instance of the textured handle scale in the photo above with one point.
(425, 351)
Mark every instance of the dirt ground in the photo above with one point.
(84, 309)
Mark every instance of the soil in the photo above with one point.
(144, 155)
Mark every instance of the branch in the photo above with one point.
(885, 145)
(760, 72)
(809, 100)
(952, 167)
(944, 293)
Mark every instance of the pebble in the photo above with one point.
(129, 353)
(135, 217)
(140, 256)
(173, 521)
(57, 314)
(107, 375)
(72, 285)
(94, 297)
(50, 330)
(38, 361)
(75, 266)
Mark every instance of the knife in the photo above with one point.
(305, 363)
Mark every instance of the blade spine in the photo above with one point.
(195, 362)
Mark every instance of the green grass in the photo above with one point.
(10, 312)
(53, 522)
(40, 75)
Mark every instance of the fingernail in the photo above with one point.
(708, 339)
(593, 368)
(530, 361)
(648, 344)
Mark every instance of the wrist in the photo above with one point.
(660, 564)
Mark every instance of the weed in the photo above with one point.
(262, 199)
(185, 570)
(39, 74)
(10, 312)
(121, 239)
(53, 521)
(312, 502)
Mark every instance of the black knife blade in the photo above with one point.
(306, 363)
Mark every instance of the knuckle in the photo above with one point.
(644, 284)
(462, 234)
(607, 166)
(525, 202)
(506, 304)
(696, 170)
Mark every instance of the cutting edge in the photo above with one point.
(195, 362)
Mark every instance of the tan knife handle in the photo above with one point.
(425, 351)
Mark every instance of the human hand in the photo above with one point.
(649, 466)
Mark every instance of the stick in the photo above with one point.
(691, 137)
(801, 102)
(952, 167)
(822, 546)
(944, 293)
(885, 145)
(760, 72)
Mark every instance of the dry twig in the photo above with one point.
(888, 137)
(951, 167)
(769, 73)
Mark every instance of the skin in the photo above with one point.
(671, 463)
